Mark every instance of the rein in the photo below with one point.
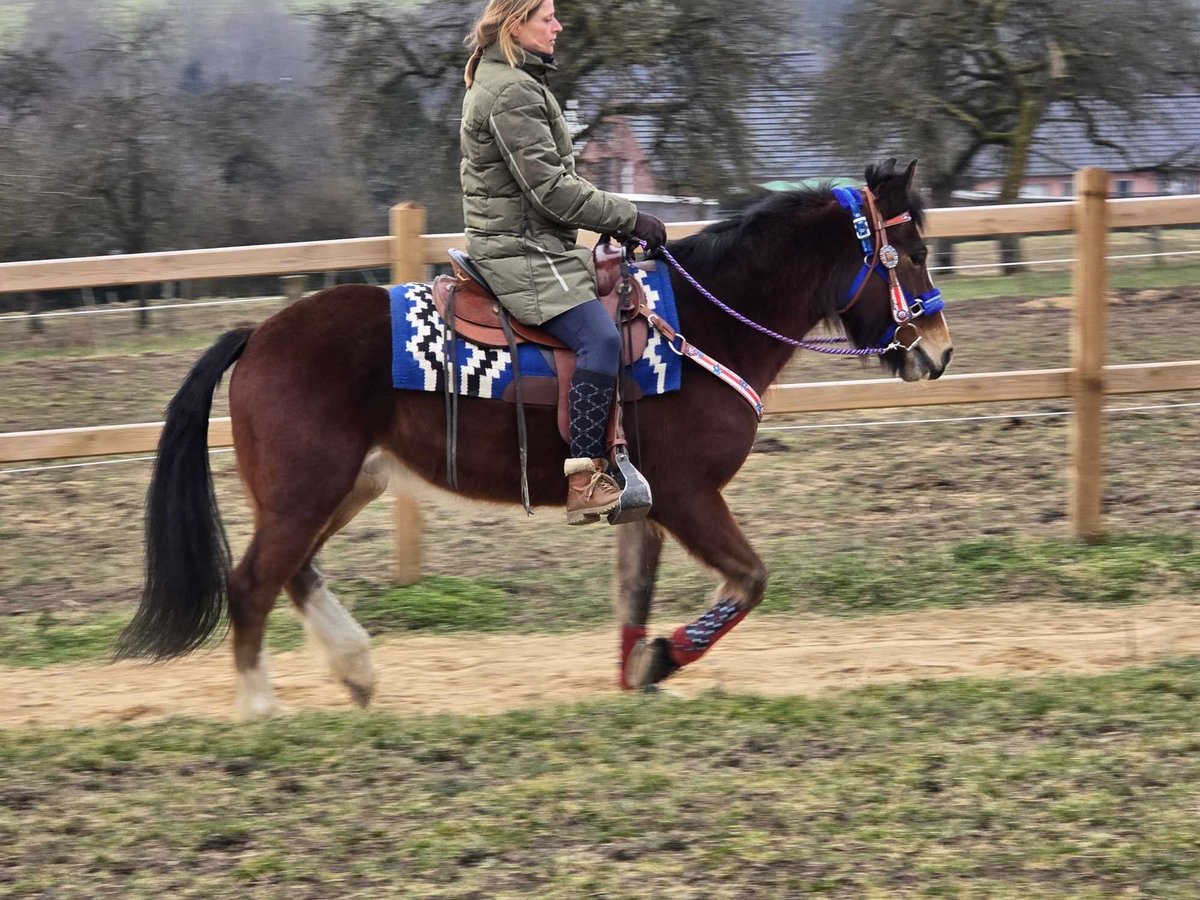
(817, 345)
(879, 257)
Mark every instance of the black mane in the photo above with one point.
(710, 249)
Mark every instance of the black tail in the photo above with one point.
(187, 553)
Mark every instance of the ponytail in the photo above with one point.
(493, 26)
(472, 65)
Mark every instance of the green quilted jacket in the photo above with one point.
(522, 201)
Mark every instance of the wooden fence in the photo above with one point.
(409, 252)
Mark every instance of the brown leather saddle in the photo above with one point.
(466, 299)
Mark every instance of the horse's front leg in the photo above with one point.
(638, 547)
(705, 527)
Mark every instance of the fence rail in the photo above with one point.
(408, 251)
(871, 393)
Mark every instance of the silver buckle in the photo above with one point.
(896, 343)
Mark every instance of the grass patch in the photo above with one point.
(45, 639)
(438, 603)
(1122, 569)
(1063, 786)
(1051, 284)
(1036, 283)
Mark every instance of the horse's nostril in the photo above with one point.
(946, 358)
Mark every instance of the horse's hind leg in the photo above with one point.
(280, 546)
(343, 644)
(705, 527)
(340, 640)
(638, 547)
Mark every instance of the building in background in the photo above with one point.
(1156, 153)
(616, 161)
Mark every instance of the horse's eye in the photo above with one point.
(918, 257)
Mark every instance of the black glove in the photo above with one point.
(650, 229)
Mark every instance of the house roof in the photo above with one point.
(1164, 136)
(775, 115)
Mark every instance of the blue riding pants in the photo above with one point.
(589, 330)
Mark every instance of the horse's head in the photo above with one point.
(891, 301)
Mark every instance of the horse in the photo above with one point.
(319, 432)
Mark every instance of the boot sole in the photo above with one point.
(591, 516)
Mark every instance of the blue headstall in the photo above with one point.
(882, 259)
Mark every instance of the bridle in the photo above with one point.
(881, 258)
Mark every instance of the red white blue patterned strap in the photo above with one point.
(679, 344)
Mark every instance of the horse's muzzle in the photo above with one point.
(918, 365)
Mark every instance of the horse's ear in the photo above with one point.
(909, 175)
(877, 173)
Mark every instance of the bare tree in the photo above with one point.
(949, 78)
(31, 84)
(264, 165)
(396, 76)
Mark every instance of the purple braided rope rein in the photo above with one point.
(816, 345)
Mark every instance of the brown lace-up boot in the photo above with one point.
(591, 491)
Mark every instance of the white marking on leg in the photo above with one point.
(341, 641)
(403, 482)
(255, 696)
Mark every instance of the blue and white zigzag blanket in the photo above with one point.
(418, 339)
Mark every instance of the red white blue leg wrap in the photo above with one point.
(692, 641)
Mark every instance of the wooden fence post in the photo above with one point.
(408, 265)
(33, 309)
(293, 287)
(1088, 346)
(168, 299)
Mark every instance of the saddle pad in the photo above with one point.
(418, 344)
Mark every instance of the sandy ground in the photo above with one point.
(493, 673)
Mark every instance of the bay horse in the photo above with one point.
(319, 431)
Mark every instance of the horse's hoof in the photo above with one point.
(661, 690)
(260, 711)
(360, 694)
(649, 663)
(356, 672)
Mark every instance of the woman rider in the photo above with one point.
(523, 204)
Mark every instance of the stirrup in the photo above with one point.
(635, 490)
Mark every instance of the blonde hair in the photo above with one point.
(494, 25)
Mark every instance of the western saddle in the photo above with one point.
(471, 310)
